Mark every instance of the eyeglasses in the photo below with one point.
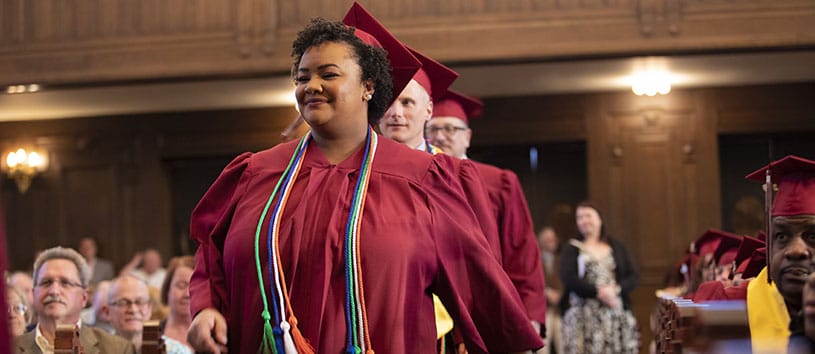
(126, 303)
(19, 309)
(63, 283)
(447, 129)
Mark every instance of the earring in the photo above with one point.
(367, 97)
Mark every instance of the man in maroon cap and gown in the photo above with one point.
(774, 296)
(790, 253)
(418, 235)
(449, 129)
(404, 123)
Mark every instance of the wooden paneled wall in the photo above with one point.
(78, 42)
(113, 177)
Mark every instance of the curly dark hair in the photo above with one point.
(372, 60)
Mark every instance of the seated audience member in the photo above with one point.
(128, 308)
(549, 246)
(175, 293)
(60, 292)
(101, 269)
(150, 270)
(95, 315)
(18, 311)
(23, 281)
(159, 309)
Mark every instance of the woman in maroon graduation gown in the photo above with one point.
(339, 239)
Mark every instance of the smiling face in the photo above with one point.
(404, 121)
(178, 297)
(16, 312)
(791, 255)
(589, 222)
(128, 305)
(58, 294)
(330, 93)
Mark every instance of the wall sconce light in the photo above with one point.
(22, 166)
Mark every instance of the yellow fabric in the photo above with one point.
(435, 150)
(767, 315)
(444, 323)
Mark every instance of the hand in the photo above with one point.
(608, 295)
(207, 332)
(809, 306)
(552, 295)
(137, 258)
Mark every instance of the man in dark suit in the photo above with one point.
(60, 292)
(101, 269)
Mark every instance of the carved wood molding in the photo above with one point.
(53, 41)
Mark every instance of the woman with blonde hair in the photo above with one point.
(19, 310)
(175, 294)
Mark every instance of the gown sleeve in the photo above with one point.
(522, 259)
(209, 225)
(476, 192)
(470, 282)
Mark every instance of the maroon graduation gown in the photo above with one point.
(715, 290)
(418, 237)
(520, 256)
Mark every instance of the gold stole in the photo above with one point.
(767, 315)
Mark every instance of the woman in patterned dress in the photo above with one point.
(598, 275)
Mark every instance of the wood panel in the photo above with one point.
(80, 42)
(767, 108)
(532, 119)
(113, 178)
(653, 165)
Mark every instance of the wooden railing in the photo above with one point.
(709, 327)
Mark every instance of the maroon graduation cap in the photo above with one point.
(458, 105)
(403, 63)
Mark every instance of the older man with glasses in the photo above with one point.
(449, 129)
(60, 293)
(128, 308)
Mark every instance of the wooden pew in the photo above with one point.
(152, 343)
(720, 327)
(66, 340)
(711, 327)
